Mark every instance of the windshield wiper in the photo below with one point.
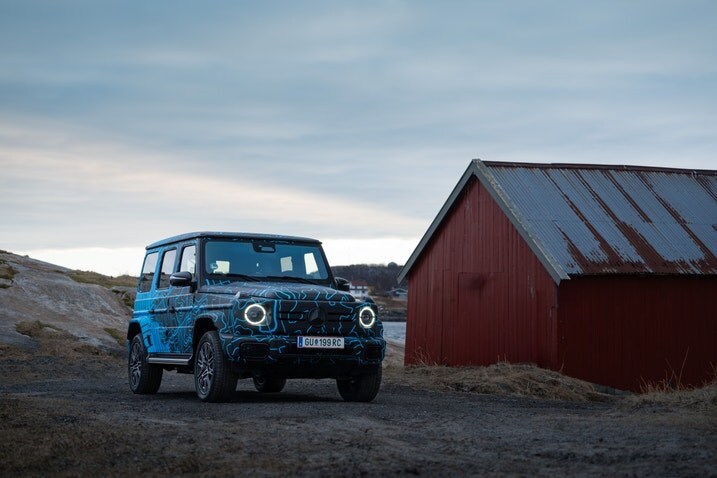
(302, 280)
(243, 277)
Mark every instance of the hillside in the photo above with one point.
(37, 294)
(96, 308)
(379, 277)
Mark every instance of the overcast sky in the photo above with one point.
(125, 122)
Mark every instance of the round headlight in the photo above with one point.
(255, 314)
(367, 317)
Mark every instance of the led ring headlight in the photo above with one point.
(367, 317)
(255, 314)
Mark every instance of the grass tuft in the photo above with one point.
(501, 378)
(53, 340)
(118, 335)
(88, 277)
(7, 273)
(672, 392)
(35, 329)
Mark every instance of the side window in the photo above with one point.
(167, 268)
(148, 269)
(188, 262)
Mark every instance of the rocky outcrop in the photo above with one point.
(33, 290)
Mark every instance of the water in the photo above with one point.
(395, 331)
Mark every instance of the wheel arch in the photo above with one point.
(133, 330)
(201, 326)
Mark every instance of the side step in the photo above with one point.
(169, 359)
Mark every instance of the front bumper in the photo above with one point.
(279, 355)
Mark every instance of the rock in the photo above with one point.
(45, 292)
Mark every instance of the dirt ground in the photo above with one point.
(70, 413)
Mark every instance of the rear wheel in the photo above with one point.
(144, 378)
(363, 388)
(269, 384)
(213, 378)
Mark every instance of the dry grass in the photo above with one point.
(501, 379)
(52, 340)
(670, 393)
(7, 274)
(115, 284)
(12, 351)
(531, 381)
(36, 329)
(118, 335)
(87, 277)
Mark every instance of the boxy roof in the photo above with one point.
(594, 219)
(229, 235)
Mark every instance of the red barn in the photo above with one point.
(607, 273)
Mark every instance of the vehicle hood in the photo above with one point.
(280, 290)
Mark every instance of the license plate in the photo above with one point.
(320, 342)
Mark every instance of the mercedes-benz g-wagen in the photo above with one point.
(226, 306)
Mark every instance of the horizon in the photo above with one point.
(116, 262)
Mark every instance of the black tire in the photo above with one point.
(269, 384)
(144, 378)
(363, 388)
(213, 377)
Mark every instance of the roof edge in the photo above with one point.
(611, 167)
(447, 206)
(479, 170)
(237, 235)
(510, 209)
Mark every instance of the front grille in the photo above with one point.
(331, 315)
(293, 317)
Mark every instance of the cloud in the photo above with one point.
(121, 123)
(128, 195)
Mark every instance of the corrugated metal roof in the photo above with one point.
(590, 219)
(602, 220)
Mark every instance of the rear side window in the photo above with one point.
(148, 269)
(167, 268)
(188, 262)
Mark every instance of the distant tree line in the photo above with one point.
(380, 277)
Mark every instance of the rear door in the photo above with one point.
(182, 302)
(161, 311)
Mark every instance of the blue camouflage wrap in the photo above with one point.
(167, 319)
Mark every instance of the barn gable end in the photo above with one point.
(467, 302)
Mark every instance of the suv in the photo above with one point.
(225, 306)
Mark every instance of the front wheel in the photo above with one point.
(144, 378)
(213, 378)
(269, 384)
(363, 388)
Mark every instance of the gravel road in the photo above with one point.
(75, 416)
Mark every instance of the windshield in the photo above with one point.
(262, 260)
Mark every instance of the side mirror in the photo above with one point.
(181, 279)
(342, 284)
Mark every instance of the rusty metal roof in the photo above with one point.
(594, 219)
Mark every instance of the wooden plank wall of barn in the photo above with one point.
(478, 294)
(628, 331)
